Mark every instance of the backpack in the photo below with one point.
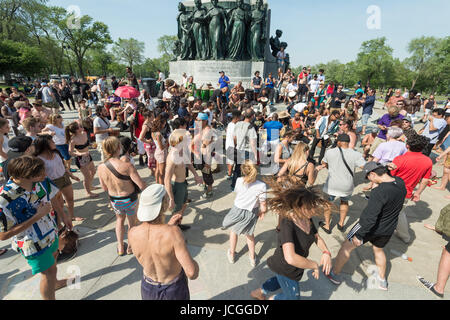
(443, 223)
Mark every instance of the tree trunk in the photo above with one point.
(80, 66)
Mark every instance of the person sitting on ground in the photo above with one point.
(161, 249)
(377, 222)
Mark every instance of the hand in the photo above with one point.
(392, 166)
(325, 262)
(316, 272)
(356, 241)
(439, 158)
(44, 209)
(110, 130)
(198, 180)
(415, 197)
(171, 204)
(75, 178)
(261, 216)
(67, 222)
(175, 220)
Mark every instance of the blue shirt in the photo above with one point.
(446, 144)
(359, 90)
(273, 130)
(182, 112)
(439, 124)
(269, 83)
(368, 105)
(222, 82)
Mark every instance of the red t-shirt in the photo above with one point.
(296, 125)
(141, 120)
(412, 167)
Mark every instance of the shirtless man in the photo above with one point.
(161, 249)
(175, 178)
(120, 179)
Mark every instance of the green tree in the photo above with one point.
(167, 45)
(89, 35)
(16, 57)
(99, 62)
(129, 51)
(375, 62)
(422, 51)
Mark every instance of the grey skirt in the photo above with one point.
(241, 221)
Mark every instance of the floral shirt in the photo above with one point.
(18, 205)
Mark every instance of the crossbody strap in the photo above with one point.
(115, 172)
(346, 164)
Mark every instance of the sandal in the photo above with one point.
(322, 225)
(125, 247)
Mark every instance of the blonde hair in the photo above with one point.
(52, 119)
(175, 139)
(249, 172)
(298, 158)
(110, 146)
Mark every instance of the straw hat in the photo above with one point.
(283, 115)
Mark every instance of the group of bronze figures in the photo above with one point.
(218, 34)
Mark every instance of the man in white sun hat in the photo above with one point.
(161, 249)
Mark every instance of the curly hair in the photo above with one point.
(417, 143)
(158, 124)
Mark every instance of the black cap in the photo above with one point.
(371, 166)
(343, 138)
(20, 144)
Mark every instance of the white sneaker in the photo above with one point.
(252, 261)
(230, 257)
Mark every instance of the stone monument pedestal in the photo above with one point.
(208, 71)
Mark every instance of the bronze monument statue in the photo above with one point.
(237, 29)
(257, 43)
(218, 24)
(200, 32)
(275, 43)
(185, 34)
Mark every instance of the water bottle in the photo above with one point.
(403, 256)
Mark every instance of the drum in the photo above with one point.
(191, 99)
(198, 93)
(115, 133)
(211, 92)
(264, 100)
(292, 94)
(119, 117)
(205, 95)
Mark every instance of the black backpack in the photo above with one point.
(39, 94)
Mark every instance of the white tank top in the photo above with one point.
(5, 147)
(54, 168)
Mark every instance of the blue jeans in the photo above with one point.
(290, 288)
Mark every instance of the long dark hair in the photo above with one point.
(71, 130)
(42, 144)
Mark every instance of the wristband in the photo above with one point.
(327, 252)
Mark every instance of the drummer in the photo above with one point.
(235, 100)
(190, 87)
(239, 89)
(291, 91)
(112, 105)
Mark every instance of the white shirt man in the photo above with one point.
(313, 85)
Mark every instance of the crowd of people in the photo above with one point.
(194, 130)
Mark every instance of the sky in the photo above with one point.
(316, 31)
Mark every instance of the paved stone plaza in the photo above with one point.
(106, 276)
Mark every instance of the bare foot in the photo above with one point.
(447, 197)
(258, 295)
(430, 227)
(63, 283)
(78, 219)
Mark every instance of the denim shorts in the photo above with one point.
(365, 119)
(343, 199)
(64, 150)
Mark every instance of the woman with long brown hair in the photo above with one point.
(161, 148)
(298, 169)
(146, 138)
(296, 205)
(78, 142)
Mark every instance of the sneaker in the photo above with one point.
(207, 195)
(252, 261)
(229, 178)
(382, 284)
(334, 278)
(230, 257)
(429, 286)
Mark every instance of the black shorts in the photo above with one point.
(378, 241)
